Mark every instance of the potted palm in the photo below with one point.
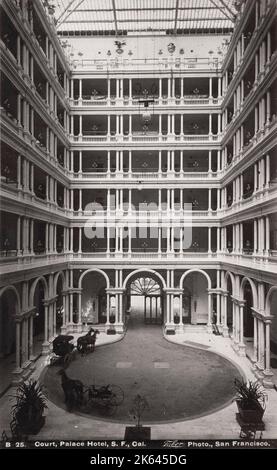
(27, 412)
(250, 399)
(138, 432)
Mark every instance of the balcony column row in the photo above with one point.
(262, 235)
(268, 47)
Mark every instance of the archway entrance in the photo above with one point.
(273, 333)
(39, 318)
(186, 307)
(229, 304)
(59, 305)
(8, 306)
(195, 298)
(94, 298)
(248, 318)
(145, 300)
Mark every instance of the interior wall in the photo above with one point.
(148, 46)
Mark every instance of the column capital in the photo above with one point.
(261, 315)
(49, 301)
(115, 290)
(173, 290)
(19, 317)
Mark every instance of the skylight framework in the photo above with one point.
(117, 17)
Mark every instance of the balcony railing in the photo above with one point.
(179, 64)
(104, 100)
(141, 214)
(139, 174)
(147, 137)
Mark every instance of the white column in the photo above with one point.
(80, 240)
(130, 124)
(267, 234)
(255, 237)
(169, 88)
(181, 161)
(210, 161)
(108, 161)
(80, 125)
(219, 123)
(218, 248)
(268, 47)
(129, 239)
(130, 89)
(210, 87)
(80, 89)
(160, 124)
(219, 87)
(160, 89)
(80, 200)
(262, 234)
(268, 108)
(209, 240)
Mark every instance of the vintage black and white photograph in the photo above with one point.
(138, 235)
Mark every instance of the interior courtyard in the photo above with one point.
(138, 202)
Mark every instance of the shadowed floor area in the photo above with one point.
(179, 382)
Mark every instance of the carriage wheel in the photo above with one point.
(117, 395)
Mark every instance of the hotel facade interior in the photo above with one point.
(138, 160)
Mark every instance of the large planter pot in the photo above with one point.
(32, 427)
(137, 433)
(254, 415)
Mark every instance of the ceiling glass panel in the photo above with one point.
(143, 15)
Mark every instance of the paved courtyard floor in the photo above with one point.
(218, 422)
(178, 382)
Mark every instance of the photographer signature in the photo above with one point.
(174, 444)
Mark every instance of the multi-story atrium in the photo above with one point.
(138, 174)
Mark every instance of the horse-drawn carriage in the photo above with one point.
(62, 350)
(86, 343)
(103, 398)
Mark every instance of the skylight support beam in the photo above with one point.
(115, 18)
(71, 11)
(222, 10)
(64, 11)
(176, 16)
(228, 9)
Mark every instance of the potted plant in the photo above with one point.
(27, 412)
(138, 432)
(250, 399)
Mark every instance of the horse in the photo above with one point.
(89, 343)
(73, 390)
(82, 340)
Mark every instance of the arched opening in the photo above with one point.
(94, 298)
(59, 304)
(273, 328)
(248, 319)
(186, 306)
(229, 288)
(8, 310)
(197, 303)
(144, 299)
(39, 317)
